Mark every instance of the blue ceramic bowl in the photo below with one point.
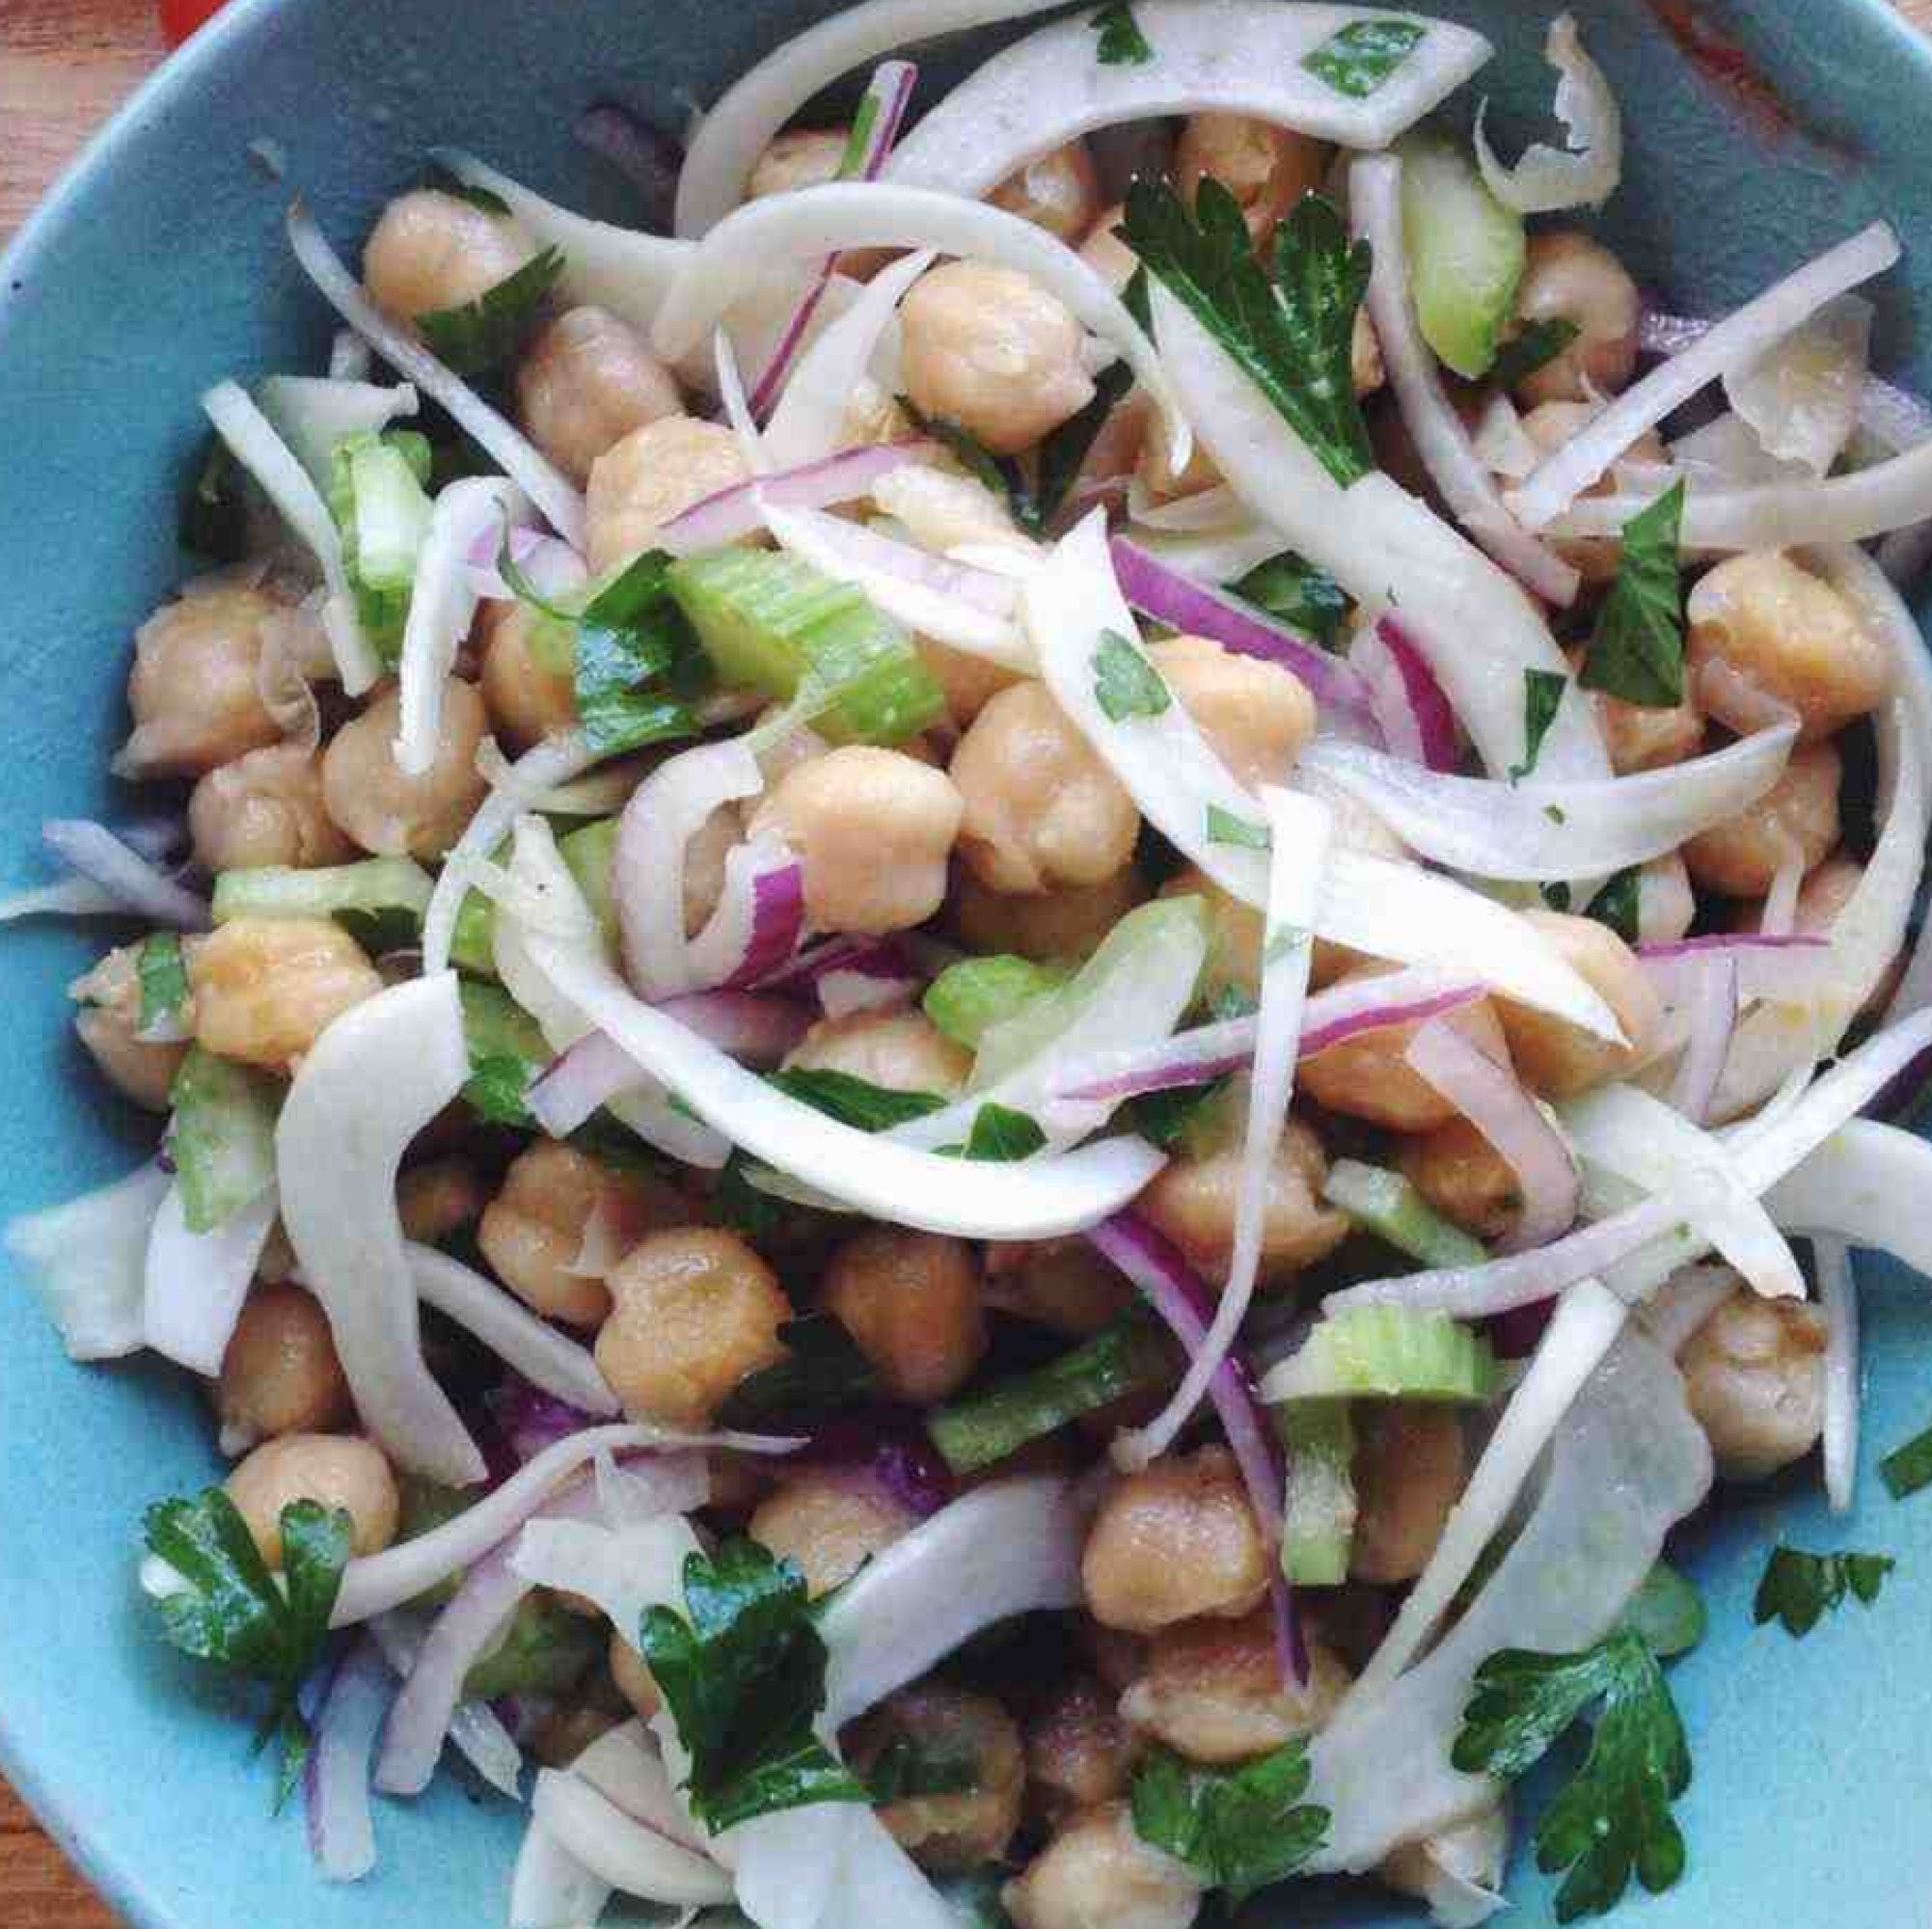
(158, 268)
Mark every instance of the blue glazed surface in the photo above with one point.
(159, 269)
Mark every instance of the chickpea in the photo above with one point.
(968, 683)
(587, 380)
(193, 689)
(1411, 1463)
(953, 1832)
(279, 1374)
(107, 1022)
(653, 475)
(1548, 426)
(533, 1231)
(1175, 1540)
(383, 807)
(989, 350)
(1798, 815)
(1054, 924)
(873, 830)
(1559, 1059)
(338, 1471)
(434, 250)
(264, 809)
(1822, 899)
(1464, 1178)
(1060, 1284)
(1059, 192)
(1192, 1201)
(632, 1673)
(1078, 1754)
(433, 1200)
(1097, 1873)
(696, 1310)
(266, 989)
(830, 1523)
(530, 692)
(945, 509)
(904, 1051)
(1266, 169)
(911, 1301)
(1369, 1076)
(1214, 1691)
(1106, 254)
(1257, 716)
(1041, 807)
(1567, 277)
(803, 157)
(1789, 636)
(1164, 482)
(1641, 737)
(1754, 1374)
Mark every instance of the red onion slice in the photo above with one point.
(1787, 968)
(1490, 1096)
(1713, 1020)
(1410, 707)
(336, 1782)
(760, 917)
(739, 512)
(1174, 1292)
(131, 880)
(1163, 593)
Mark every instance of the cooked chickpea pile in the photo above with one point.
(1001, 831)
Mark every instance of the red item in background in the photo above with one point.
(181, 18)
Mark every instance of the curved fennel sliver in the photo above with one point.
(1585, 171)
(1222, 56)
(1478, 628)
(373, 1080)
(811, 222)
(761, 103)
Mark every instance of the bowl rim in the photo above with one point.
(117, 1880)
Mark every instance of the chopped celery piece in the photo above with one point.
(1131, 1356)
(473, 943)
(392, 516)
(223, 1139)
(1014, 1041)
(1467, 253)
(967, 999)
(770, 621)
(379, 887)
(545, 1650)
(1318, 1532)
(162, 967)
(1385, 1204)
(1387, 1351)
(1668, 1612)
(507, 1051)
(591, 852)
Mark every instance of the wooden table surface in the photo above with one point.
(64, 64)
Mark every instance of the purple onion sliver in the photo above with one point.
(1713, 1024)
(1435, 720)
(1178, 1296)
(777, 923)
(646, 156)
(335, 1781)
(736, 510)
(1718, 943)
(890, 1446)
(586, 1077)
(1517, 1333)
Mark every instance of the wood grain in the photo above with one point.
(65, 66)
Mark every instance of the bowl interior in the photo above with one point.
(160, 269)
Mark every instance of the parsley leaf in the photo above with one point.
(1907, 1468)
(1542, 699)
(1617, 905)
(1361, 57)
(1225, 827)
(1800, 1589)
(823, 1372)
(230, 1613)
(162, 968)
(638, 663)
(1239, 1826)
(1172, 1118)
(1637, 649)
(1294, 591)
(445, 182)
(1614, 1815)
(743, 1678)
(1540, 343)
(1000, 1135)
(854, 1101)
(903, 1771)
(1122, 43)
(507, 1053)
(1125, 683)
(483, 333)
(1294, 334)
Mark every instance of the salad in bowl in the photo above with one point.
(1005, 998)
